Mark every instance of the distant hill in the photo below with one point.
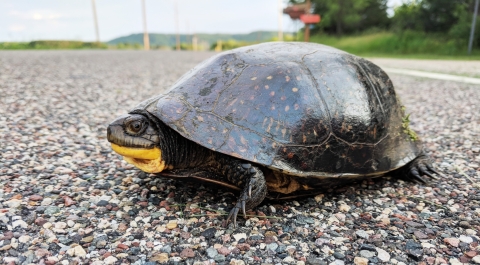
(158, 39)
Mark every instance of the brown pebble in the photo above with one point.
(143, 204)
(136, 244)
(35, 197)
(261, 215)
(40, 221)
(106, 255)
(164, 204)
(171, 226)
(243, 246)
(224, 251)
(160, 258)
(7, 235)
(41, 252)
(464, 259)
(185, 235)
(16, 197)
(420, 235)
(471, 254)
(122, 246)
(270, 233)
(122, 227)
(226, 238)
(430, 260)
(68, 201)
(269, 239)
(452, 241)
(187, 253)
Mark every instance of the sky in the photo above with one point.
(27, 20)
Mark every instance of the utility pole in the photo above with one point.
(472, 30)
(95, 21)
(177, 26)
(146, 40)
(306, 38)
(280, 26)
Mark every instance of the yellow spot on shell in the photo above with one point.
(269, 77)
(200, 118)
(287, 78)
(287, 108)
(267, 87)
(294, 89)
(272, 93)
(253, 78)
(299, 78)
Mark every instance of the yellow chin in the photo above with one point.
(149, 166)
(148, 160)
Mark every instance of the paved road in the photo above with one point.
(452, 67)
(64, 196)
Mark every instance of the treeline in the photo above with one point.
(51, 44)
(442, 20)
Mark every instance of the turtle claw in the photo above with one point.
(233, 216)
(422, 167)
(416, 176)
(251, 195)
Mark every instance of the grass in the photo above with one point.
(51, 45)
(407, 45)
(404, 45)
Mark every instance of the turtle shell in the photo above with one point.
(304, 109)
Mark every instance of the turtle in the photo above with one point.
(277, 118)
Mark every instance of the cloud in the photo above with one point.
(43, 14)
(16, 28)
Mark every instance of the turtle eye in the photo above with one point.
(136, 126)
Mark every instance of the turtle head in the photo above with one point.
(136, 138)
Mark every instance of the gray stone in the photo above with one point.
(211, 252)
(362, 234)
(367, 254)
(272, 246)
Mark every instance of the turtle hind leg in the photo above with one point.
(419, 168)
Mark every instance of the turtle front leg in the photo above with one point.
(253, 192)
(247, 177)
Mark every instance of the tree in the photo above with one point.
(349, 16)
(430, 15)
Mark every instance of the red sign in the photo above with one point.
(310, 18)
(295, 11)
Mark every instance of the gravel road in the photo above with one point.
(66, 198)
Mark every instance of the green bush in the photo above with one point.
(407, 42)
